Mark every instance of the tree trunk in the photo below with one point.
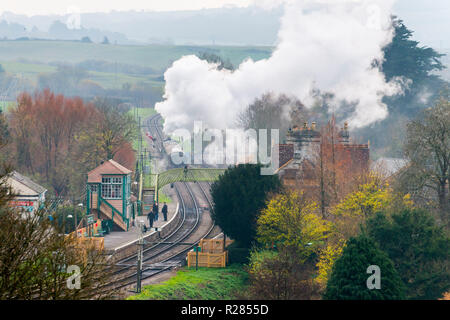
(443, 201)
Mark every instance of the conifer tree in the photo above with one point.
(350, 277)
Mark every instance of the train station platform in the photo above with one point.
(122, 244)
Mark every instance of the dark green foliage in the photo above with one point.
(348, 280)
(214, 58)
(404, 57)
(64, 221)
(237, 254)
(419, 249)
(239, 195)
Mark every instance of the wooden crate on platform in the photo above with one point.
(208, 260)
(85, 245)
(213, 245)
(211, 254)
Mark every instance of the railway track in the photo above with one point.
(154, 126)
(169, 252)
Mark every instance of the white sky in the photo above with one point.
(429, 19)
(34, 7)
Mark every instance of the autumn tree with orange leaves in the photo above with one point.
(335, 167)
(48, 139)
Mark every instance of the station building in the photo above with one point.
(27, 194)
(296, 156)
(108, 195)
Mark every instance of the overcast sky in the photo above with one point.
(32, 7)
(429, 19)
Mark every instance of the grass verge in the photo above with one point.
(204, 284)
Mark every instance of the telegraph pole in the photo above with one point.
(140, 257)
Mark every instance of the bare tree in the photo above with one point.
(36, 257)
(113, 128)
(428, 150)
(272, 112)
(283, 277)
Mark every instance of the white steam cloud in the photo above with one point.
(326, 45)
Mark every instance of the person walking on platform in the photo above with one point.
(151, 217)
(164, 211)
(155, 211)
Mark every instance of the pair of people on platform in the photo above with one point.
(153, 215)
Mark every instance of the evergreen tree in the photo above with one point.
(407, 59)
(349, 278)
(238, 196)
(404, 57)
(418, 248)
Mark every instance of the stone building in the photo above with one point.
(28, 195)
(297, 163)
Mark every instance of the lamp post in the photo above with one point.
(80, 205)
(69, 216)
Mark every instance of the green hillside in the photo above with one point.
(31, 58)
(158, 57)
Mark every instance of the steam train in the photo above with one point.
(177, 156)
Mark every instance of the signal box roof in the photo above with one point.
(108, 167)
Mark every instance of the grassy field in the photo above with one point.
(31, 58)
(204, 284)
(4, 105)
(158, 57)
(142, 112)
(108, 80)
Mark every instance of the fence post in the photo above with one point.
(196, 258)
(224, 241)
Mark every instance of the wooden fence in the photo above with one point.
(206, 259)
(211, 254)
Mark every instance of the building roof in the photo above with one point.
(27, 182)
(108, 167)
(390, 165)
